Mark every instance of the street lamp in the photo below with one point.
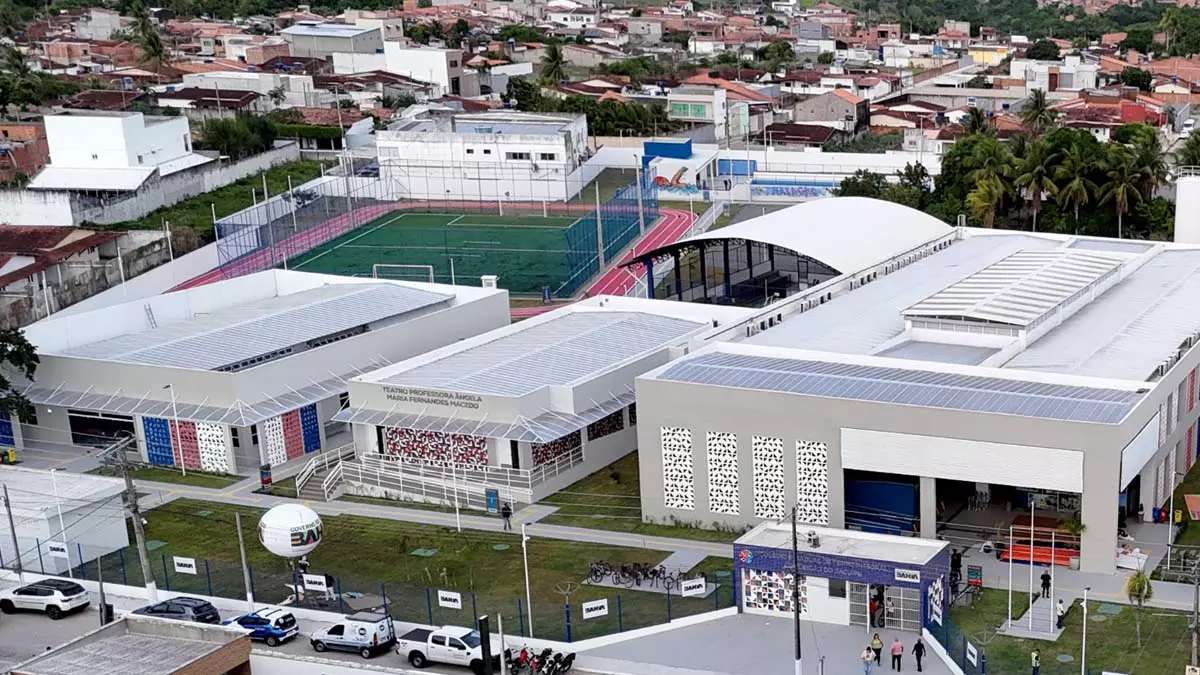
(175, 442)
(1083, 654)
(62, 528)
(525, 558)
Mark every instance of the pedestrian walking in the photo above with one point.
(919, 653)
(1061, 612)
(1035, 660)
(877, 648)
(1046, 584)
(897, 652)
(506, 514)
(868, 658)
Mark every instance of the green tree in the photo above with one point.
(985, 199)
(277, 96)
(554, 64)
(1152, 165)
(1035, 175)
(977, 123)
(1138, 589)
(778, 51)
(1189, 153)
(17, 357)
(10, 19)
(239, 137)
(1169, 24)
(1122, 183)
(825, 58)
(424, 4)
(419, 33)
(682, 38)
(990, 161)
(862, 183)
(1134, 134)
(459, 32)
(1037, 115)
(1136, 77)
(1042, 50)
(1138, 39)
(1075, 189)
(518, 33)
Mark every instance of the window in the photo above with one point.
(139, 159)
(454, 64)
(470, 151)
(95, 156)
(254, 434)
(518, 156)
(237, 442)
(337, 630)
(343, 400)
(457, 644)
(486, 151)
(837, 588)
(679, 110)
(547, 156)
(699, 111)
(438, 640)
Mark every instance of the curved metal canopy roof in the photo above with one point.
(845, 233)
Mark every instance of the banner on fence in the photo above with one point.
(692, 587)
(449, 599)
(57, 549)
(595, 609)
(185, 565)
(315, 582)
(972, 654)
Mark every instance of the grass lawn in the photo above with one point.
(609, 499)
(284, 487)
(404, 503)
(1112, 642)
(161, 475)
(363, 552)
(196, 212)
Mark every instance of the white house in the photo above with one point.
(297, 90)
(104, 151)
(444, 67)
(487, 156)
(322, 40)
(574, 18)
(1070, 74)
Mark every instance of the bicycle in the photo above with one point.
(598, 570)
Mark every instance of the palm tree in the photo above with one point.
(1037, 115)
(990, 161)
(1189, 154)
(153, 50)
(1138, 589)
(1152, 164)
(554, 64)
(1122, 182)
(10, 20)
(1077, 188)
(985, 199)
(277, 96)
(1035, 175)
(977, 123)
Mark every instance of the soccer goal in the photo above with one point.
(403, 272)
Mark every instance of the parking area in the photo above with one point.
(23, 636)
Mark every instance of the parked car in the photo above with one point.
(272, 625)
(183, 609)
(454, 645)
(54, 597)
(367, 633)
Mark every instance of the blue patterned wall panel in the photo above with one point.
(158, 441)
(310, 428)
(6, 432)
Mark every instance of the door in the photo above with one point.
(516, 454)
(438, 651)
(336, 636)
(458, 652)
(902, 608)
(857, 594)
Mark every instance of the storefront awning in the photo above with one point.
(544, 428)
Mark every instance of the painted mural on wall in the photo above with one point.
(561, 447)
(609, 424)
(291, 435)
(790, 191)
(772, 591)
(435, 447)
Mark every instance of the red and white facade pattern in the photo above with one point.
(214, 454)
(435, 447)
(183, 434)
(548, 452)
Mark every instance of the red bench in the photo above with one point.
(1042, 555)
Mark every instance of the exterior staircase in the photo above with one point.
(321, 477)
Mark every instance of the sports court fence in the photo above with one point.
(348, 224)
(554, 616)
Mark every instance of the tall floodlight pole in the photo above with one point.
(62, 528)
(796, 592)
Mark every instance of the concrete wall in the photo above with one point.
(800, 418)
(95, 529)
(153, 282)
(29, 207)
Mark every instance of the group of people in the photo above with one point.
(873, 655)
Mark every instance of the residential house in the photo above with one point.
(200, 105)
(801, 135)
(23, 151)
(391, 22)
(445, 68)
(1070, 74)
(838, 109)
(578, 17)
(645, 31)
(99, 24)
(698, 104)
(591, 56)
(323, 40)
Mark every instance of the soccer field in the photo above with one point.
(527, 252)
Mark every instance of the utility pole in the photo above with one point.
(139, 533)
(237, 517)
(21, 573)
(1195, 611)
(796, 591)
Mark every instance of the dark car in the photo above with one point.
(183, 609)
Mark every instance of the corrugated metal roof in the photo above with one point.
(236, 334)
(1019, 289)
(1129, 330)
(541, 429)
(559, 351)
(861, 321)
(906, 387)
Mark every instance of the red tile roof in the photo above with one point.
(47, 245)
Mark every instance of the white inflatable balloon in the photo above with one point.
(290, 530)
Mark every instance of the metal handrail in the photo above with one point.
(332, 480)
(491, 475)
(322, 462)
(439, 487)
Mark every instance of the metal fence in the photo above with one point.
(534, 244)
(609, 611)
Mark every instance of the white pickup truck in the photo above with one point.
(449, 644)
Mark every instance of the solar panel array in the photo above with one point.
(244, 332)
(906, 387)
(559, 351)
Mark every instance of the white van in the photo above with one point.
(1189, 126)
(368, 633)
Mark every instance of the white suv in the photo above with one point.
(54, 597)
